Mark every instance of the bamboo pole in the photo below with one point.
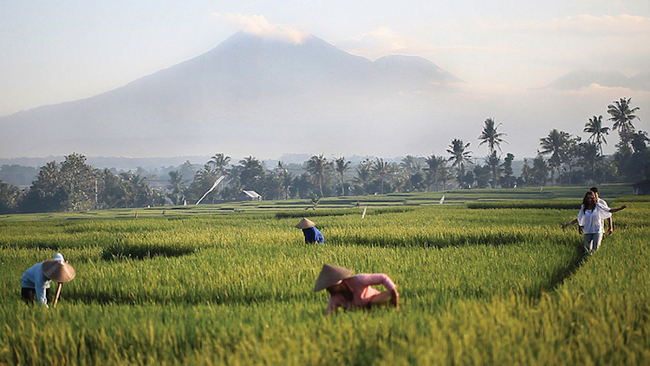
(58, 292)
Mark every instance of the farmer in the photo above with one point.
(601, 203)
(312, 234)
(35, 281)
(355, 292)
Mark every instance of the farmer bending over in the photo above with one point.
(355, 292)
(36, 280)
(312, 234)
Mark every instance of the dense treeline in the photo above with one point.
(562, 158)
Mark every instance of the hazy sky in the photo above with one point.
(51, 52)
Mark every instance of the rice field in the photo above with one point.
(478, 285)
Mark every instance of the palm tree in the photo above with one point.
(176, 186)
(316, 166)
(252, 172)
(623, 116)
(556, 144)
(341, 167)
(460, 156)
(597, 131)
(219, 161)
(381, 170)
(364, 175)
(490, 135)
(435, 169)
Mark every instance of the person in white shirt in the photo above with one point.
(601, 203)
(590, 221)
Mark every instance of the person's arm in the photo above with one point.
(39, 287)
(612, 210)
(332, 307)
(381, 279)
(574, 221)
(610, 222)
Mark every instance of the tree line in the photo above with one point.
(562, 158)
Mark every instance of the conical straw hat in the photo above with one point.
(305, 223)
(57, 270)
(331, 275)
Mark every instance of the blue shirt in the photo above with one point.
(312, 235)
(35, 278)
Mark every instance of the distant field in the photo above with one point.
(231, 284)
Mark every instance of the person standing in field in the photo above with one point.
(355, 292)
(590, 221)
(36, 280)
(312, 234)
(601, 203)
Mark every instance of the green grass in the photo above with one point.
(477, 286)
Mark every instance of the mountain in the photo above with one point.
(584, 78)
(246, 93)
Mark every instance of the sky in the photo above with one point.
(53, 52)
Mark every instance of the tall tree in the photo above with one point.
(317, 165)
(555, 144)
(507, 170)
(381, 170)
(491, 136)
(622, 116)
(494, 163)
(598, 131)
(341, 167)
(252, 173)
(220, 161)
(364, 176)
(434, 170)
(460, 156)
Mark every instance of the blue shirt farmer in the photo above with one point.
(313, 235)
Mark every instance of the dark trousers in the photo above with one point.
(29, 294)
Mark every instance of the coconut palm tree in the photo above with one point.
(220, 161)
(316, 166)
(555, 144)
(341, 167)
(597, 131)
(435, 169)
(364, 176)
(623, 115)
(491, 136)
(381, 170)
(459, 156)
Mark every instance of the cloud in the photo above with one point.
(258, 25)
(379, 42)
(623, 25)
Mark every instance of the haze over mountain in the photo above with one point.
(266, 97)
(245, 92)
(584, 78)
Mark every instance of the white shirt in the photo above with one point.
(592, 220)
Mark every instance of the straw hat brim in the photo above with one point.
(305, 223)
(331, 275)
(58, 271)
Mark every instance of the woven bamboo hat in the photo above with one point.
(305, 223)
(331, 275)
(58, 270)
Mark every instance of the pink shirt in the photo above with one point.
(360, 285)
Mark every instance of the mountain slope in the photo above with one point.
(247, 83)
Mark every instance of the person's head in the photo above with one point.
(589, 200)
(595, 190)
(338, 287)
(331, 278)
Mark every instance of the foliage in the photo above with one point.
(477, 286)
